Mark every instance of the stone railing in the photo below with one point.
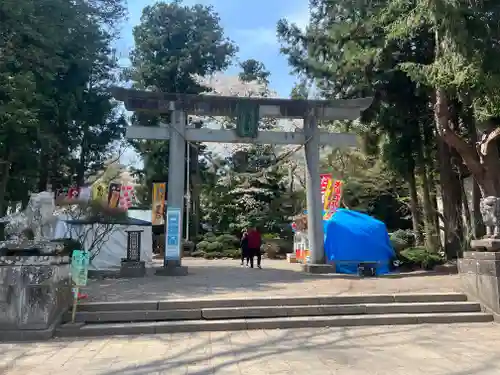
(34, 293)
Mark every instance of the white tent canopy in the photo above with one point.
(114, 243)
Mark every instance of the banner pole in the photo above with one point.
(75, 303)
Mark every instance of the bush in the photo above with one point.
(232, 254)
(228, 241)
(402, 239)
(214, 255)
(209, 237)
(198, 254)
(420, 257)
(271, 250)
(213, 247)
(270, 236)
(202, 246)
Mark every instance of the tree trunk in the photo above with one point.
(5, 168)
(452, 203)
(432, 241)
(450, 188)
(477, 219)
(466, 213)
(467, 116)
(414, 206)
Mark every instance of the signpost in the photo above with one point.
(80, 261)
(173, 222)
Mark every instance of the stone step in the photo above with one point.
(89, 330)
(271, 301)
(272, 312)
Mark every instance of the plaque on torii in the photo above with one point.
(247, 112)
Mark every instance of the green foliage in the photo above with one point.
(213, 247)
(57, 122)
(210, 237)
(402, 239)
(270, 236)
(420, 257)
(175, 44)
(249, 194)
(202, 246)
(228, 241)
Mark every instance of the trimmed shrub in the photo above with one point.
(214, 255)
(202, 246)
(198, 254)
(420, 257)
(228, 241)
(209, 237)
(213, 247)
(402, 239)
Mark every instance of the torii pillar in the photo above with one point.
(248, 111)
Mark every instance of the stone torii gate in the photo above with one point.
(247, 111)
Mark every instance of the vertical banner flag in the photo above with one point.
(326, 183)
(114, 194)
(126, 196)
(99, 191)
(331, 194)
(158, 203)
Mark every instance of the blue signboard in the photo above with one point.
(80, 260)
(173, 235)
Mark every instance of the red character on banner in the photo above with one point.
(324, 182)
(73, 192)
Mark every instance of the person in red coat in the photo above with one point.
(254, 243)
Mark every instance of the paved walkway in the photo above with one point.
(409, 350)
(225, 278)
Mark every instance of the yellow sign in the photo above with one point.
(158, 203)
(100, 191)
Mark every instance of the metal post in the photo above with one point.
(176, 180)
(313, 187)
(188, 190)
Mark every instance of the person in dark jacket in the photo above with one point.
(244, 248)
(254, 244)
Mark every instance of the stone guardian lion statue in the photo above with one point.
(490, 211)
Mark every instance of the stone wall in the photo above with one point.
(480, 275)
(34, 292)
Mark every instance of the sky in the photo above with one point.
(252, 25)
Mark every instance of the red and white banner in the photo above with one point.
(127, 196)
(331, 194)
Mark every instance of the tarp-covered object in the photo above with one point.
(352, 238)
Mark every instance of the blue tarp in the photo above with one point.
(352, 238)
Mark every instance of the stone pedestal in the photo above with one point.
(172, 268)
(318, 268)
(486, 244)
(131, 268)
(480, 276)
(35, 291)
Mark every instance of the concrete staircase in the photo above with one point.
(146, 317)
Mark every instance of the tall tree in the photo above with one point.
(175, 45)
(47, 67)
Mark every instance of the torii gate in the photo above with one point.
(248, 111)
